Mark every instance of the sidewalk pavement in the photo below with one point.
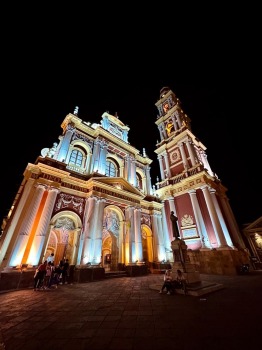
(129, 313)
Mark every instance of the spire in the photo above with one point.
(76, 110)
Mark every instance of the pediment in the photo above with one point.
(118, 183)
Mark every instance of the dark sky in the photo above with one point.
(50, 67)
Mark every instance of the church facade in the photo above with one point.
(90, 199)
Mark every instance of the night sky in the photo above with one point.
(98, 71)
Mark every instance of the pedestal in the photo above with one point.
(182, 262)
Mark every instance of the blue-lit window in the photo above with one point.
(76, 157)
(111, 169)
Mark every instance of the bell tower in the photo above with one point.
(188, 186)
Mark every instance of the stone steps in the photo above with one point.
(115, 274)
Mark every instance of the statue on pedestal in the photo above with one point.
(174, 219)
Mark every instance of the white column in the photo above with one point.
(178, 118)
(234, 229)
(127, 168)
(11, 231)
(205, 162)
(167, 165)
(36, 250)
(138, 235)
(199, 220)
(96, 154)
(183, 154)
(162, 131)
(88, 223)
(162, 174)
(130, 236)
(63, 150)
(102, 158)
(214, 218)
(174, 122)
(88, 163)
(133, 172)
(167, 236)
(221, 219)
(172, 207)
(161, 241)
(97, 233)
(148, 181)
(191, 153)
(26, 227)
(159, 253)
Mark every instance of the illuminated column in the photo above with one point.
(130, 236)
(133, 171)
(11, 232)
(167, 165)
(161, 240)
(162, 131)
(178, 118)
(148, 180)
(122, 170)
(172, 207)
(26, 227)
(80, 246)
(86, 237)
(191, 152)
(36, 249)
(127, 168)
(97, 233)
(221, 219)
(214, 218)
(205, 162)
(102, 158)
(138, 235)
(95, 159)
(183, 154)
(158, 256)
(167, 237)
(88, 163)
(76, 242)
(174, 122)
(236, 235)
(160, 159)
(63, 150)
(125, 135)
(199, 220)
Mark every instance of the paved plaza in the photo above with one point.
(129, 313)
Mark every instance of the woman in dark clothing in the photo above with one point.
(40, 275)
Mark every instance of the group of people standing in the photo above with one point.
(48, 275)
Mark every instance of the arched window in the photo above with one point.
(139, 181)
(76, 157)
(111, 169)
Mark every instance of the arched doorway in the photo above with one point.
(147, 244)
(112, 238)
(64, 236)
